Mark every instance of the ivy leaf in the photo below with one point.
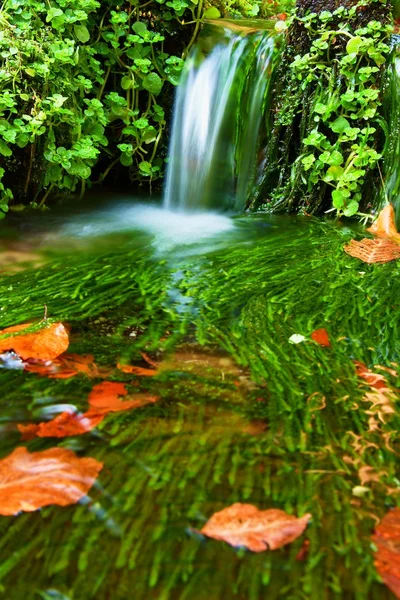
(153, 83)
(212, 13)
(4, 149)
(82, 33)
(139, 27)
(351, 209)
(145, 168)
(340, 125)
(339, 197)
(334, 158)
(334, 173)
(126, 160)
(127, 83)
(353, 45)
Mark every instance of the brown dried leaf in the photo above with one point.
(257, 530)
(29, 481)
(387, 557)
(45, 344)
(373, 251)
(143, 372)
(385, 224)
(66, 366)
(63, 425)
(103, 399)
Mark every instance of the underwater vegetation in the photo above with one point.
(263, 374)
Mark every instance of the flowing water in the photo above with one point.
(217, 119)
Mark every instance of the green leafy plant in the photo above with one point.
(339, 148)
(85, 86)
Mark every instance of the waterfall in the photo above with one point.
(391, 156)
(218, 116)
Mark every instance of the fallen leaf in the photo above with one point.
(63, 425)
(103, 399)
(387, 557)
(257, 530)
(373, 251)
(66, 366)
(385, 224)
(136, 370)
(46, 344)
(29, 481)
(321, 337)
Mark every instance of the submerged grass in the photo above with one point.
(168, 467)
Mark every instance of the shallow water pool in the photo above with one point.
(209, 305)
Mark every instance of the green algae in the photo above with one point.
(168, 467)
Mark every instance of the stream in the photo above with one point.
(209, 303)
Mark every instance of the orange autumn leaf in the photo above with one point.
(385, 224)
(136, 370)
(63, 425)
(321, 337)
(66, 366)
(103, 399)
(29, 481)
(387, 557)
(45, 344)
(257, 530)
(373, 251)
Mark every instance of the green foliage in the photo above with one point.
(85, 85)
(344, 64)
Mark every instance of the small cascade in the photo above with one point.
(392, 150)
(217, 122)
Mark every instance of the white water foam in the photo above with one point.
(167, 228)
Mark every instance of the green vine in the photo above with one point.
(344, 65)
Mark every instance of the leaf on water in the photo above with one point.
(103, 399)
(136, 370)
(45, 344)
(66, 366)
(321, 337)
(257, 530)
(373, 251)
(63, 425)
(387, 557)
(385, 224)
(29, 481)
